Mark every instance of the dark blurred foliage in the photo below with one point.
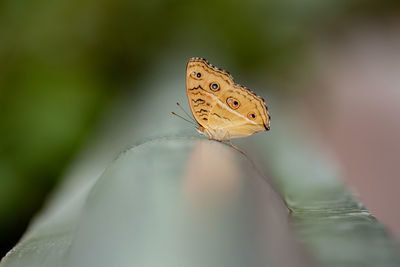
(62, 62)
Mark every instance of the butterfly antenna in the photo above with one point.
(173, 113)
(187, 114)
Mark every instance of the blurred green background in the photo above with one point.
(62, 63)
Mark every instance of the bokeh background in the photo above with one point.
(64, 63)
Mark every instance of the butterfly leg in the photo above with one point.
(207, 133)
(235, 147)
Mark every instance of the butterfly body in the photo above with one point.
(222, 108)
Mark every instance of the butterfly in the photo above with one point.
(222, 108)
